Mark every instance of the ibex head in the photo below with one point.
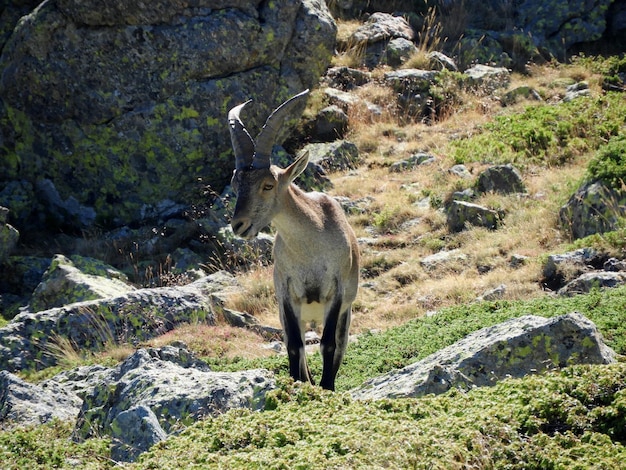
(258, 184)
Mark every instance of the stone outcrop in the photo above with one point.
(460, 214)
(515, 348)
(33, 339)
(376, 34)
(586, 282)
(508, 33)
(150, 395)
(442, 258)
(159, 391)
(503, 179)
(582, 270)
(593, 208)
(110, 114)
(63, 284)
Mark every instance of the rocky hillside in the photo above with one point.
(487, 195)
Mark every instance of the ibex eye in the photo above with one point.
(268, 187)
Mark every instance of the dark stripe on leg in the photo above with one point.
(329, 346)
(298, 368)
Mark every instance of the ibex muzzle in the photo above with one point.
(316, 258)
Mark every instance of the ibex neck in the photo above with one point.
(301, 215)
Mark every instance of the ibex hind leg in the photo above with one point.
(294, 341)
(334, 342)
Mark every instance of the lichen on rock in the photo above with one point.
(123, 107)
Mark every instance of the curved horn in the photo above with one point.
(267, 137)
(243, 145)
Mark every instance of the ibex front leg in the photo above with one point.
(334, 342)
(294, 341)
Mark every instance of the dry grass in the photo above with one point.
(350, 53)
(256, 296)
(219, 342)
(400, 219)
(430, 38)
(397, 229)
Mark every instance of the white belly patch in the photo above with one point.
(313, 312)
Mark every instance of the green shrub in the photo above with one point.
(609, 163)
(573, 419)
(49, 446)
(546, 135)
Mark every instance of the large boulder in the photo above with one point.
(586, 282)
(110, 113)
(150, 395)
(156, 392)
(513, 33)
(503, 179)
(515, 348)
(37, 340)
(374, 36)
(593, 208)
(561, 268)
(64, 283)
(26, 404)
(460, 214)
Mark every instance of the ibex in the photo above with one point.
(316, 257)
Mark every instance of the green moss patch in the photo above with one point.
(546, 135)
(575, 419)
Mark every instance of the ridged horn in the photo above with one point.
(267, 137)
(243, 145)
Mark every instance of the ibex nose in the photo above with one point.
(241, 226)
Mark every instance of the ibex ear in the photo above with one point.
(297, 167)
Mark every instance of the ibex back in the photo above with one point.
(316, 258)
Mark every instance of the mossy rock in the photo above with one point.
(124, 116)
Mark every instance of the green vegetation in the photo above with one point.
(49, 446)
(376, 353)
(574, 419)
(609, 163)
(546, 135)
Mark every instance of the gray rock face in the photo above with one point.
(461, 171)
(564, 266)
(488, 78)
(150, 395)
(346, 78)
(503, 179)
(440, 61)
(331, 123)
(436, 260)
(584, 283)
(594, 208)
(333, 156)
(159, 391)
(23, 403)
(413, 89)
(383, 26)
(122, 107)
(515, 348)
(63, 283)
(460, 214)
(515, 32)
(31, 340)
(374, 37)
(559, 25)
(398, 51)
